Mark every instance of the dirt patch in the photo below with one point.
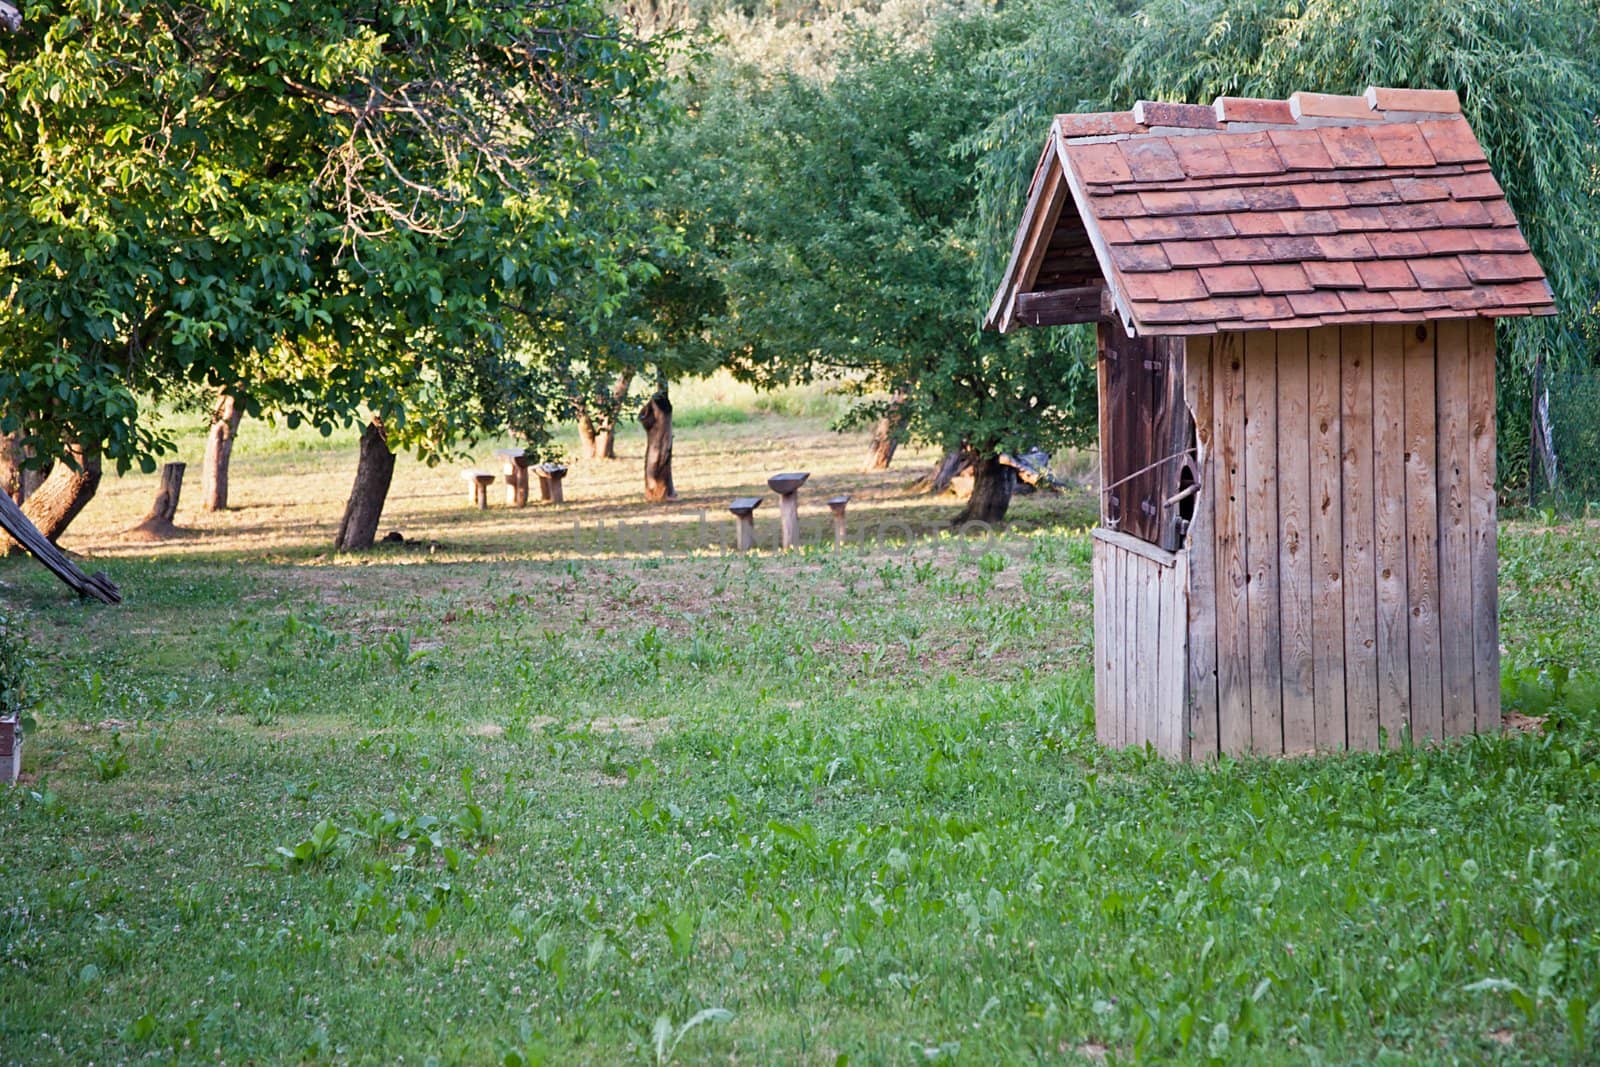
(642, 731)
(1523, 724)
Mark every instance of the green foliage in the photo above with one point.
(320, 209)
(1528, 75)
(16, 669)
(840, 215)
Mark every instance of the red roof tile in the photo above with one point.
(1191, 116)
(1440, 272)
(1283, 278)
(1401, 146)
(1280, 214)
(1251, 109)
(1350, 146)
(1332, 274)
(1326, 105)
(1151, 159)
(1230, 281)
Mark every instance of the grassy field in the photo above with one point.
(581, 786)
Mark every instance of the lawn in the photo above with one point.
(582, 786)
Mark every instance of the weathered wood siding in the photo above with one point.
(1140, 645)
(1341, 565)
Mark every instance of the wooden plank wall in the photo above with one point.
(1141, 657)
(1342, 567)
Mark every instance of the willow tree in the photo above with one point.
(1528, 75)
(194, 187)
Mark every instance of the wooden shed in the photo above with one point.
(1297, 545)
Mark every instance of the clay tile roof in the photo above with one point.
(1250, 213)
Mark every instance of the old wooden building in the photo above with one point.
(1295, 302)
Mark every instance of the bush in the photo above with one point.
(16, 666)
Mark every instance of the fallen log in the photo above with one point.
(26, 534)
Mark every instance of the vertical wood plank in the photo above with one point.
(1102, 642)
(1117, 626)
(1294, 541)
(1201, 592)
(1153, 576)
(1327, 541)
(1360, 576)
(1485, 536)
(1103, 393)
(1422, 530)
(1261, 541)
(1232, 570)
(1173, 736)
(1453, 466)
(1389, 529)
(1130, 690)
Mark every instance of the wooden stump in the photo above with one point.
(478, 483)
(550, 475)
(515, 469)
(787, 486)
(744, 522)
(836, 505)
(158, 523)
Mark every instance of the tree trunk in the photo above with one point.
(11, 457)
(588, 440)
(219, 453)
(938, 480)
(374, 471)
(656, 418)
(1541, 439)
(70, 487)
(32, 479)
(886, 435)
(992, 485)
(159, 522)
(606, 436)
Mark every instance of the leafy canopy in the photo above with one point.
(321, 204)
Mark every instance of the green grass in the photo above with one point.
(525, 809)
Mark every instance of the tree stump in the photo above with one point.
(158, 522)
(656, 418)
(836, 505)
(744, 522)
(787, 486)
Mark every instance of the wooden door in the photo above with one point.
(1147, 462)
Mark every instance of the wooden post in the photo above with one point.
(837, 505)
(515, 469)
(10, 749)
(550, 475)
(478, 483)
(744, 522)
(787, 486)
(158, 521)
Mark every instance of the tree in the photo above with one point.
(201, 191)
(1528, 76)
(847, 248)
